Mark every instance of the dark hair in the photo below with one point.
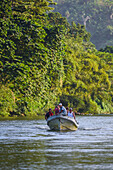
(67, 108)
(49, 108)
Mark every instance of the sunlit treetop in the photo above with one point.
(31, 8)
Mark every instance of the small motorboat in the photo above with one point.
(59, 122)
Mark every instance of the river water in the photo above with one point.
(30, 145)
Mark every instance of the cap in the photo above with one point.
(71, 109)
(60, 104)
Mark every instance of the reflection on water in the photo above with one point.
(29, 144)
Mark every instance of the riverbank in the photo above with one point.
(43, 117)
(23, 117)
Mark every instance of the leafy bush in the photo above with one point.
(7, 101)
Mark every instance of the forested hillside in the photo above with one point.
(95, 15)
(45, 60)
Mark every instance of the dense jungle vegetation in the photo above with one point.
(45, 60)
(95, 15)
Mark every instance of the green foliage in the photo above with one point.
(85, 76)
(31, 9)
(108, 49)
(7, 101)
(26, 60)
(45, 60)
(96, 16)
(107, 56)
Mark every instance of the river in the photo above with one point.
(30, 145)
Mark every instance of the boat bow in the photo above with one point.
(59, 122)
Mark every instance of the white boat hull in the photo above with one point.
(62, 123)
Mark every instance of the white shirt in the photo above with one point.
(64, 112)
(70, 114)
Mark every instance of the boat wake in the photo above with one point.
(82, 128)
(43, 127)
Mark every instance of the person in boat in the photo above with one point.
(48, 114)
(67, 108)
(71, 113)
(62, 110)
(56, 110)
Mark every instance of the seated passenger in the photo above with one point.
(71, 113)
(62, 110)
(48, 114)
(67, 109)
(56, 110)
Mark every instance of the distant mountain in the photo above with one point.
(96, 15)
